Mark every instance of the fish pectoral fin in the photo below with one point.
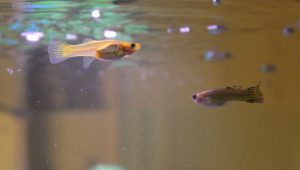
(87, 61)
(220, 103)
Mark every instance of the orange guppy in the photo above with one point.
(90, 50)
(218, 97)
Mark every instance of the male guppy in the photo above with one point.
(90, 50)
(218, 97)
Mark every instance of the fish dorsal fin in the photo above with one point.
(255, 88)
(87, 61)
(258, 85)
(88, 40)
(256, 94)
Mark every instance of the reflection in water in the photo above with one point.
(10, 70)
(110, 34)
(32, 36)
(216, 2)
(47, 20)
(96, 13)
(184, 29)
(268, 68)
(216, 29)
(288, 31)
(105, 167)
(212, 55)
(71, 37)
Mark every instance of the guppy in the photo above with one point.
(107, 50)
(218, 97)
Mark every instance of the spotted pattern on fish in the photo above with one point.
(230, 94)
(218, 97)
(256, 95)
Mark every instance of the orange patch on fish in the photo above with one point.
(108, 50)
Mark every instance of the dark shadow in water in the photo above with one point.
(6, 108)
(65, 86)
(54, 88)
(121, 2)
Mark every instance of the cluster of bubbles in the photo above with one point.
(216, 29)
(11, 70)
(182, 30)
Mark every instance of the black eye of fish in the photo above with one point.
(194, 96)
(132, 45)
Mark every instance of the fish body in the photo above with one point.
(108, 50)
(218, 97)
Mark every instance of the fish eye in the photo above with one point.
(132, 45)
(194, 97)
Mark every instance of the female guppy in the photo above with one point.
(90, 50)
(218, 97)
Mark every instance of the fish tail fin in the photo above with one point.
(58, 52)
(256, 94)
